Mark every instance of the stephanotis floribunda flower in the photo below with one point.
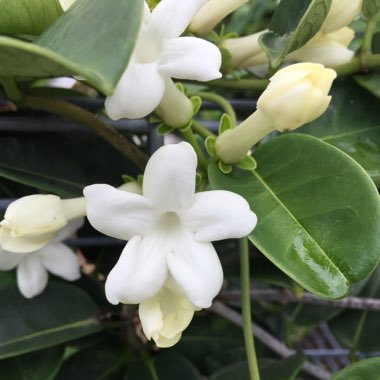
(159, 55)
(169, 228)
(33, 267)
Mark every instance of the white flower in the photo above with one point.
(159, 55)
(164, 316)
(66, 4)
(31, 222)
(169, 228)
(212, 13)
(341, 13)
(33, 267)
(328, 49)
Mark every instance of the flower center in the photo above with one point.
(148, 47)
(168, 222)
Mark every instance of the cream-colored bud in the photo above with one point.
(245, 51)
(328, 49)
(32, 221)
(296, 95)
(66, 4)
(165, 316)
(212, 13)
(175, 108)
(341, 13)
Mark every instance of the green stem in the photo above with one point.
(372, 61)
(247, 84)
(362, 320)
(11, 89)
(246, 310)
(149, 363)
(222, 102)
(104, 130)
(189, 136)
(201, 130)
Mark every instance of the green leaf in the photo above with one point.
(57, 162)
(358, 330)
(310, 223)
(92, 39)
(351, 123)
(367, 369)
(168, 366)
(370, 82)
(102, 361)
(43, 364)
(27, 16)
(61, 313)
(293, 24)
(370, 8)
(270, 369)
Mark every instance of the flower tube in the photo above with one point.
(296, 95)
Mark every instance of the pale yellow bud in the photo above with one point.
(32, 221)
(165, 316)
(66, 4)
(328, 49)
(341, 13)
(296, 95)
(175, 108)
(212, 13)
(245, 51)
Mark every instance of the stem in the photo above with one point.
(222, 102)
(189, 136)
(369, 32)
(246, 310)
(149, 363)
(372, 61)
(247, 84)
(11, 89)
(104, 130)
(201, 130)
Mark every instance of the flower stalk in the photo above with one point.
(246, 310)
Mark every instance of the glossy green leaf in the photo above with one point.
(293, 24)
(43, 364)
(92, 39)
(61, 313)
(358, 330)
(311, 224)
(58, 162)
(370, 82)
(102, 361)
(352, 124)
(167, 366)
(28, 16)
(285, 369)
(370, 8)
(367, 369)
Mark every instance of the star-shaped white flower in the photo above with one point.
(33, 267)
(159, 55)
(169, 228)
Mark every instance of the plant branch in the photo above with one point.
(268, 340)
(104, 130)
(222, 102)
(239, 84)
(285, 296)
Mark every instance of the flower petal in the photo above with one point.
(196, 269)
(9, 260)
(60, 260)
(217, 215)
(118, 213)
(140, 272)
(190, 58)
(169, 178)
(138, 93)
(32, 276)
(170, 18)
(68, 230)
